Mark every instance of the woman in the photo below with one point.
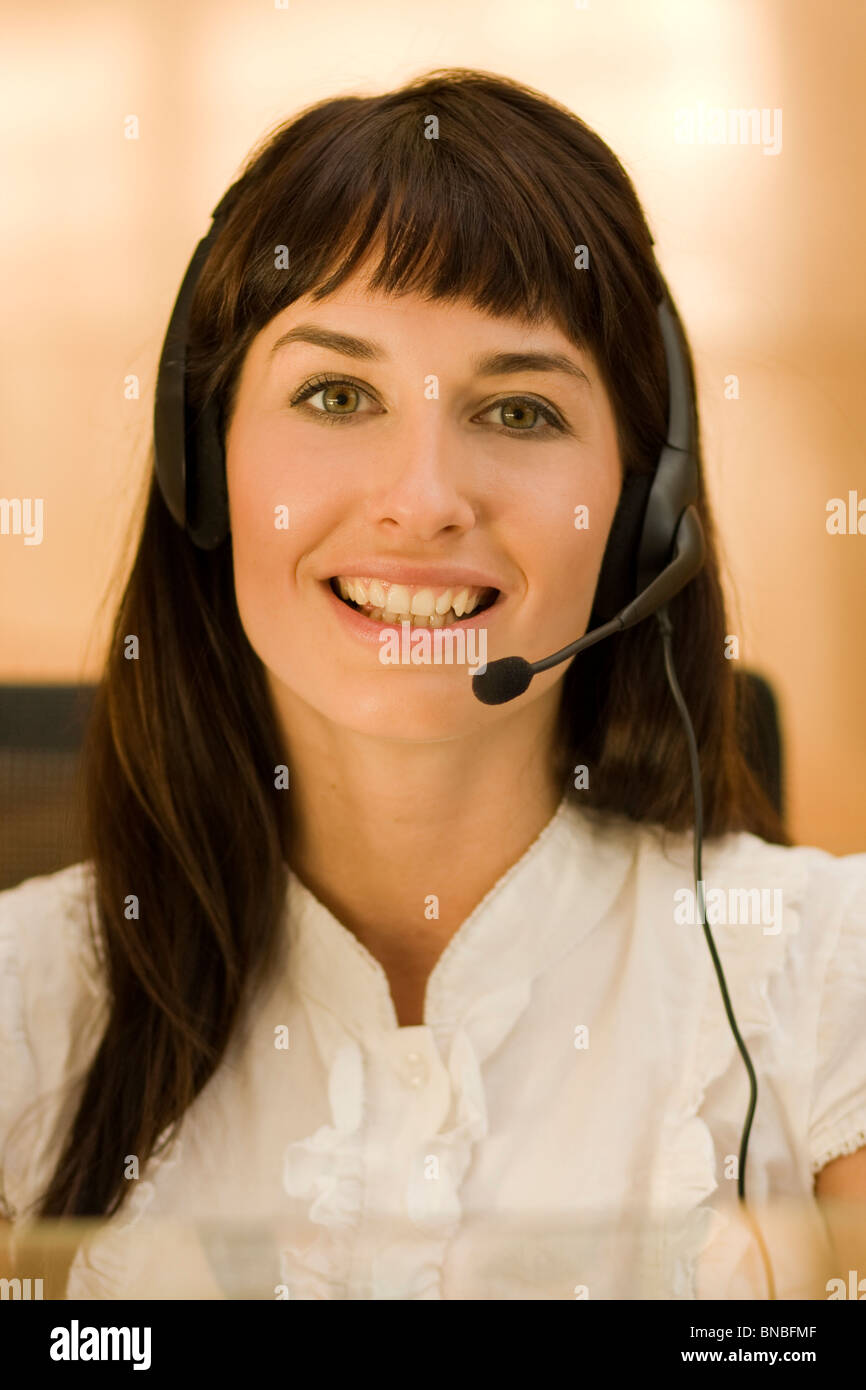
(394, 977)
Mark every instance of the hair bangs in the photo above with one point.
(449, 220)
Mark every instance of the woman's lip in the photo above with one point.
(399, 573)
(368, 629)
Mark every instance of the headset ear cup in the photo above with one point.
(207, 499)
(617, 578)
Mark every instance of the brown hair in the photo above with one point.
(182, 744)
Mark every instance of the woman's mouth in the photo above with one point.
(418, 604)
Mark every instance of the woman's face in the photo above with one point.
(424, 467)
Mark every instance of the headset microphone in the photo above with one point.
(509, 676)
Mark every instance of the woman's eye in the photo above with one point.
(340, 400)
(521, 414)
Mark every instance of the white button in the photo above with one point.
(414, 1069)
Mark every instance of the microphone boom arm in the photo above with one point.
(688, 556)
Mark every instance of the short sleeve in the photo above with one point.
(837, 1118)
(51, 1015)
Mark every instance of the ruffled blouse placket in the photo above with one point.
(364, 1254)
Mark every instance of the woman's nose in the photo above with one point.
(425, 482)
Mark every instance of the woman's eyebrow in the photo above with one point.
(501, 363)
(491, 364)
(361, 348)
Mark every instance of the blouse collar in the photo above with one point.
(544, 905)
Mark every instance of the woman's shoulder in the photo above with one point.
(50, 973)
(51, 1000)
(74, 882)
(45, 927)
(796, 912)
(823, 883)
(746, 879)
(789, 922)
(824, 894)
(810, 904)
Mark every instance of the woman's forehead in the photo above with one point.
(356, 309)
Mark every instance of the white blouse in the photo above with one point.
(565, 1124)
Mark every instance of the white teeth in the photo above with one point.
(458, 603)
(376, 593)
(423, 603)
(403, 603)
(397, 600)
(380, 615)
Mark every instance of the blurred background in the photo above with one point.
(760, 242)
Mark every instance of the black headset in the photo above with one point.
(655, 547)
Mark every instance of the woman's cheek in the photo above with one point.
(569, 575)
